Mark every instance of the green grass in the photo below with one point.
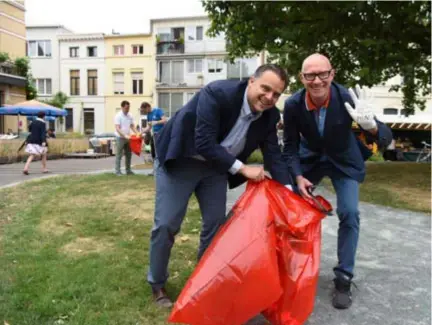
(74, 250)
(396, 184)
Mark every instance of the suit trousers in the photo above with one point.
(174, 186)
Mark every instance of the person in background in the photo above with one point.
(51, 134)
(124, 124)
(37, 143)
(319, 141)
(156, 120)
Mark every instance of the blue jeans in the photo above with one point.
(174, 187)
(347, 195)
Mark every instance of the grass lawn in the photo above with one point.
(398, 184)
(74, 250)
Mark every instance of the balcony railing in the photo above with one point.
(170, 47)
(10, 75)
(9, 68)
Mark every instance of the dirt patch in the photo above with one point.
(124, 212)
(125, 196)
(53, 228)
(84, 246)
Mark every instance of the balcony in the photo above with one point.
(170, 47)
(10, 75)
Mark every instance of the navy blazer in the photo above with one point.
(37, 132)
(200, 126)
(339, 143)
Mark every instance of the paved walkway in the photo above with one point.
(11, 174)
(393, 270)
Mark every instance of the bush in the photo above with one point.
(56, 148)
(70, 135)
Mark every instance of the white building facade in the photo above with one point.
(43, 52)
(82, 77)
(187, 59)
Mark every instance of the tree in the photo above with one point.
(59, 100)
(368, 42)
(22, 66)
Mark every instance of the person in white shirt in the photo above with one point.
(124, 124)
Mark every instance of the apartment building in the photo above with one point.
(82, 78)
(187, 59)
(12, 46)
(130, 74)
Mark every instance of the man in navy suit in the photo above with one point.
(202, 149)
(319, 142)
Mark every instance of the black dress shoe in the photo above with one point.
(161, 298)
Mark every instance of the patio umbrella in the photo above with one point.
(32, 108)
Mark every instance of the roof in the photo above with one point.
(174, 19)
(48, 27)
(127, 35)
(81, 37)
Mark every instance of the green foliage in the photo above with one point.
(22, 66)
(59, 100)
(368, 42)
(4, 57)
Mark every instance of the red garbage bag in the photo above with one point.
(135, 144)
(264, 258)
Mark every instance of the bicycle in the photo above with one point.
(425, 153)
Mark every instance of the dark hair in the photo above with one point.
(124, 103)
(145, 105)
(278, 70)
(41, 114)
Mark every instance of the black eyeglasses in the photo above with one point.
(322, 75)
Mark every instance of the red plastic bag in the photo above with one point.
(265, 258)
(135, 144)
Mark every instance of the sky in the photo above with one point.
(93, 16)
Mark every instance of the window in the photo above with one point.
(390, 111)
(165, 72)
(177, 72)
(39, 48)
(89, 121)
(170, 102)
(171, 72)
(215, 65)
(199, 33)
(195, 33)
(242, 68)
(92, 80)
(164, 102)
(189, 96)
(91, 51)
(74, 82)
(137, 83)
(74, 52)
(137, 49)
(118, 49)
(404, 112)
(118, 78)
(43, 86)
(194, 66)
(69, 120)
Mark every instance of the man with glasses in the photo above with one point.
(319, 142)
